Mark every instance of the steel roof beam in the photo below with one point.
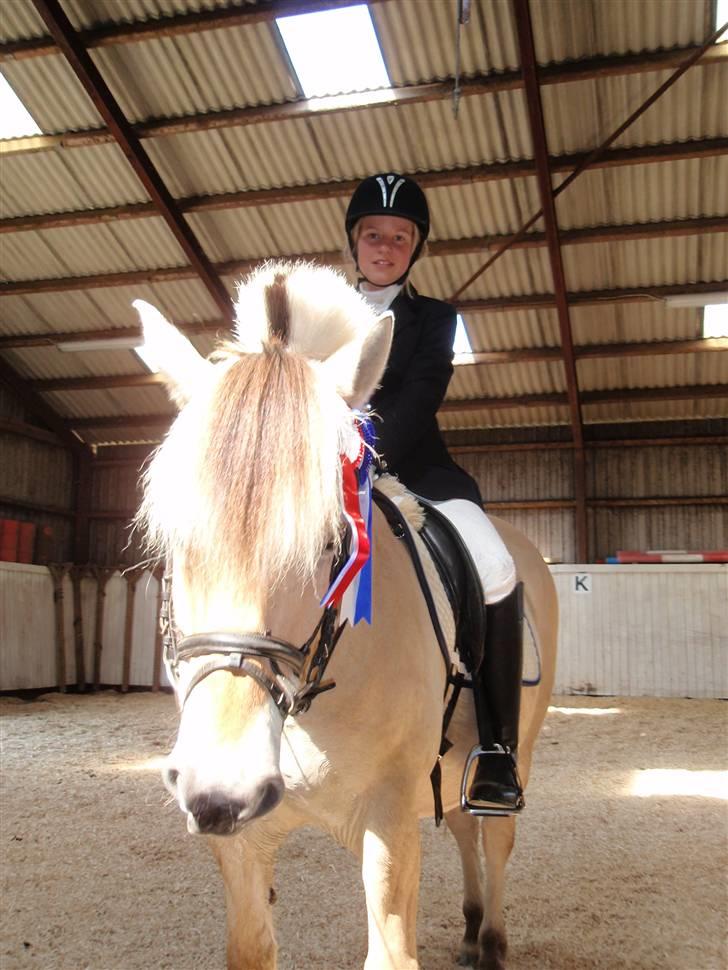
(527, 355)
(524, 31)
(99, 93)
(111, 34)
(627, 396)
(527, 301)
(559, 399)
(491, 83)
(257, 198)
(583, 298)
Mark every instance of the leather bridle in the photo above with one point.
(291, 675)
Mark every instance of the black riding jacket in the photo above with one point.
(413, 387)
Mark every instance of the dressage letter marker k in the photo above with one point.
(582, 583)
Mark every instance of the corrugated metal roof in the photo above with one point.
(62, 181)
(645, 193)
(565, 29)
(487, 42)
(238, 66)
(505, 380)
(581, 115)
(109, 403)
(194, 73)
(111, 11)
(699, 408)
(109, 307)
(658, 371)
(511, 330)
(515, 417)
(119, 247)
(52, 94)
(49, 362)
(620, 322)
(645, 262)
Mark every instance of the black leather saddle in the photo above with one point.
(461, 580)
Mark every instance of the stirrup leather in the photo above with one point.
(474, 808)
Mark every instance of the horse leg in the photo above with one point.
(498, 837)
(248, 877)
(466, 829)
(390, 855)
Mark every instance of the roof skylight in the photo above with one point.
(715, 320)
(15, 119)
(721, 15)
(461, 348)
(334, 51)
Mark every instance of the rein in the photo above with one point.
(292, 676)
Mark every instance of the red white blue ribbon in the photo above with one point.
(352, 586)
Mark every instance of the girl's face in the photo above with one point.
(384, 246)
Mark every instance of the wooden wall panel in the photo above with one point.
(643, 630)
(657, 631)
(28, 629)
(692, 528)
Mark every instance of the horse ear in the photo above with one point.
(171, 353)
(357, 367)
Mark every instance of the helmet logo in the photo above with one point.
(389, 204)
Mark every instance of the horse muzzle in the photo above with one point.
(222, 811)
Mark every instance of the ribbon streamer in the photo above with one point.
(353, 583)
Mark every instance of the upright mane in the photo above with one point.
(247, 482)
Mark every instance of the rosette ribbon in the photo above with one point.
(352, 585)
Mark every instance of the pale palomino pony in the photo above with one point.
(244, 499)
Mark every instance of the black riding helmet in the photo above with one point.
(389, 194)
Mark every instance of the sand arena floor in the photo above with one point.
(97, 871)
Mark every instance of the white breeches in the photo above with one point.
(492, 560)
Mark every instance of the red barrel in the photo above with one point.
(9, 531)
(26, 541)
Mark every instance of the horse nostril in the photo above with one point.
(271, 794)
(216, 814)
(170, 777)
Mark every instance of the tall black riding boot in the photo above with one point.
(495, 788)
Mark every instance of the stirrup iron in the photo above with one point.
(489, 810)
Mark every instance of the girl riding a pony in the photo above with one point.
(387, 224)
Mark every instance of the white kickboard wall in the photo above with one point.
(630, 630)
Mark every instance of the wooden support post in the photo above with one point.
(77, 573)
(581, 529)
(102, 576)
(132, 577)
(58, 571)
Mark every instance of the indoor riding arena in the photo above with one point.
(574, 159)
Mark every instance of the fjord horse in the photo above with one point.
(244, 501)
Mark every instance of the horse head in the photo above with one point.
(242, 499)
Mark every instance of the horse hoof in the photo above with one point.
(493, 946)
(468, 955)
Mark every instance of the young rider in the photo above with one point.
(387, 224)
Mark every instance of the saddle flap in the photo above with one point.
(461, 580)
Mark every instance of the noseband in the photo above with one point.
(292, 676)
